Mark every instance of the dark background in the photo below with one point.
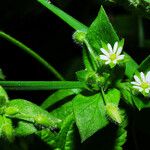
(38, 28)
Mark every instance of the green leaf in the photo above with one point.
(83, 75)
(101, 30)
(131, 67)
(46, 136)
(64, 139)
(3, 97)
(63, 111)
(89, 114)
(24, 129)
(121, 135)
(2, 76)
(145, 65)
(58, 96)
(64, 16)
(140, 102)
(126, 93)
(113, 96)
(6, 128)
(32, 113)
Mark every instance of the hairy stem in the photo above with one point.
(41, 85)
(32, 53)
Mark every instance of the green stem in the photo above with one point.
(103, 96)
(32, 53)
(42, 85)
(141, 32)
(75, 24)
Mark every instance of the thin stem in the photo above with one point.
(32, 53)
(92, 54)
(103, 96)
(141, 32)
(42, 85)
(75, 24)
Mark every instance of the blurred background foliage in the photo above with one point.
(41, 30)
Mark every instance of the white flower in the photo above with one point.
(142, 83)
(112, 55)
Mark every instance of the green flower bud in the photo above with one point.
(79, 37)
(113, 112)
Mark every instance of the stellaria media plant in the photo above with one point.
(110, 84)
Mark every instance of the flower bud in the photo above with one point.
(79, 37)
(113, 112)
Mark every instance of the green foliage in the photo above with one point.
(121, 136)
(101, 30)
(58, 96)
(3, 96)
(24, 129)
(63, 111)
(64, 16)
(98, 93)
(89, 114)
(145, 65)
(30, 112)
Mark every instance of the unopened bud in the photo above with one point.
(79, 37)
(113, 112)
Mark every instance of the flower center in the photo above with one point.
(113, 57)
(144, 85)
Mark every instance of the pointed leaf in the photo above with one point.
(101, 30)
(24, 129)
(30, 112)
(113, 96)
(64, 16)
(89, 114)
(58, 96)
(145, 65)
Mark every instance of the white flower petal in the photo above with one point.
(107, 62)
(120, 57)
(148, 77)
(142, 76)
(138, 88)
(104, 51)
(135, 83)
(119, 51)
(110, 48)
(103, 57)
(115, 47)
(137, 79)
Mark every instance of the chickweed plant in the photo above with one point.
(110, 85)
